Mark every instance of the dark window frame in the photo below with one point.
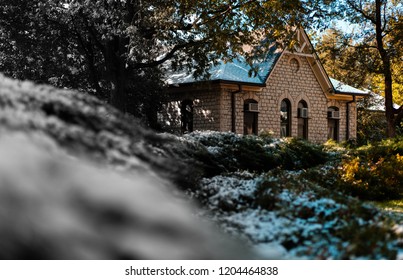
(302, 121)
(187, 109)
(333, 125)
(251, 119)
(285, 118)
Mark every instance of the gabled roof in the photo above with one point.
(342, 88)
(237, 70)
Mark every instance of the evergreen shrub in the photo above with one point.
(260, 154)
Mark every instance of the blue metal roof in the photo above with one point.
(237, 70)
(240, 71)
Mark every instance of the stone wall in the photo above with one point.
(292, 79)
(342, 105)
(206, 110)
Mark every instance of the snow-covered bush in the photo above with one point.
(289, 199)
(280, 196)
(298, 217)
(53, 206)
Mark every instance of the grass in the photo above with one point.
(391, 205)
(394, 209)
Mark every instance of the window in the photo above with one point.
(285, 118)
(187, 116)
(250, 117)
(294, 63)
(303, 120)
(333, 119)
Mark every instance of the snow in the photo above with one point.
(229, 200)
(286, 212)
(101, 161)
(339, 86)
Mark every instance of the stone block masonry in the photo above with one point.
(293, 78)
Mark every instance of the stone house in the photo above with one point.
(290, 96)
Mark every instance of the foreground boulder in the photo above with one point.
(61, 196)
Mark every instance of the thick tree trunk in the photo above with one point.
(390, 111)
(386, 67)
(117, 72)
(118, 96)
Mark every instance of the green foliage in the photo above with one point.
(370, 48)
(374, 172)
(342, 61)
(371, 121)
(260, 154)
(266, 194)
(371, 241)
(375, 176)
(394, 205)
(321, 222)
(114, 49)
(299, 154)
(366, 238)
(371, 126)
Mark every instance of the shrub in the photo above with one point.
(375, 172)
(266, 195)
(301, 154)
(379, 180)
(308, 220)
(260, 153)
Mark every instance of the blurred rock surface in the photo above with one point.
(79, 180)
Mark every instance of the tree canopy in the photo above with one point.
(113, 48)
(373, 48)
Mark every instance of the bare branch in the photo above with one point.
(385, 22)
(361, 11)
(168, 55)
(220, 12)
(363, 47)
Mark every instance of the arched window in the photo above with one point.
(187, 116)
(250, 117)
(333, 119)
(285, 118)
(303, 120)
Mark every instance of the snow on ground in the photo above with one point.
(282, 217)
(288, 215)
(299, 225)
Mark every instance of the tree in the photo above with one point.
(377, 36)
(113, 48)
(343, 61)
